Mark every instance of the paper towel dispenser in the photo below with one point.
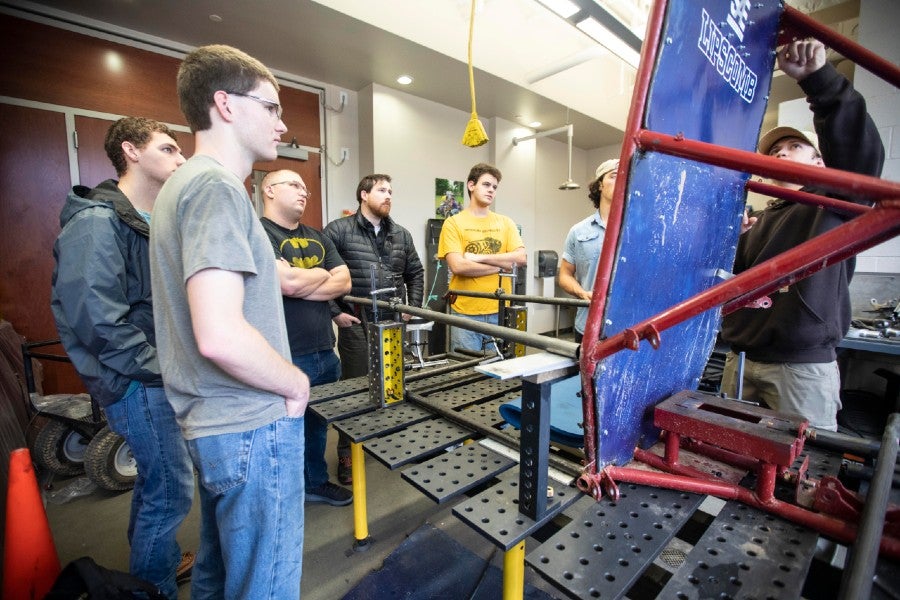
(546, 263)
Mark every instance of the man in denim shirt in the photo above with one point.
(584, 242)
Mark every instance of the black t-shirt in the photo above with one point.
(308, 321)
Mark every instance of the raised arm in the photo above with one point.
(848, 137)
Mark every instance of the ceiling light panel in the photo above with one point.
(564, 8)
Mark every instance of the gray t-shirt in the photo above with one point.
(203, 219)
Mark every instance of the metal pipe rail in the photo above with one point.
(860, 572)
(501, 295)
(533, 340)
(838, 206)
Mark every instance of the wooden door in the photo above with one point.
(309, 170)
(34, 181)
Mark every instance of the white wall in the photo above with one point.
(416, 141)
(341, 131)
(878, 32)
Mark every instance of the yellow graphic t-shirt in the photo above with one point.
(491, 234)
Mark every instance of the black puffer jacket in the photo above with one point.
(101, 292)
(392, 252)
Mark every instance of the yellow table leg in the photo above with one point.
(514, 572)
(360, 518)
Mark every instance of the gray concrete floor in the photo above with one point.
(95, 525)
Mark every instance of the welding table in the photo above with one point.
(651, 543)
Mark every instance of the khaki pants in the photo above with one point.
(811, 390)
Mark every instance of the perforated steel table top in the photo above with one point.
(745, 553)
(337, 389)
(383, 421)
(343, 408)
(474, 391)
(607, 545)
(494, 513)
(416, 442)
(452, 473)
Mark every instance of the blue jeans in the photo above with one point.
(471, 340)
(251, 513)
(321, 367)
(164, 487)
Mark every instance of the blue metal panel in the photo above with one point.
(681, 218)
(713, 76)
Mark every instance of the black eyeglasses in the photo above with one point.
(273, 107)
(294, 184)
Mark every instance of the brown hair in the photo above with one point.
(136, 130)
(209, 69)
(480, 169)
(368, 182)
(594, 189)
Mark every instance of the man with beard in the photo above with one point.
(370, 237)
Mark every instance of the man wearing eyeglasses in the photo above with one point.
(223, 345)
(311, 273)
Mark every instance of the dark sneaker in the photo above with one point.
(183, 572)
(345, 470)
(329, 493)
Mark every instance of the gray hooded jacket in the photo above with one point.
(101, 292)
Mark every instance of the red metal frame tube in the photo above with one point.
(657, 462)
(801, 25)
(836, 529)
(720, 454)
(838, 206)
(673, 443)
(594, 323)
(765, 482)
(854, 184)
(805, 259)
(847, 240)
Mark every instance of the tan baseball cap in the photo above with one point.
(606, 167)
(773, 135)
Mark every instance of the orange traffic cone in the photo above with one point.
(30, 562)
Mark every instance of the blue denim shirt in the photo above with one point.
(582, 249)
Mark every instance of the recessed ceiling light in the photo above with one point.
(534, 124)
(215, 18)
(404, 80)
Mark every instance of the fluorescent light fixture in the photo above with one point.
(563, 8)
(535, 124)
(404, 80)
(609, 40)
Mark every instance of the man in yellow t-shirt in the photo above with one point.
(478, 245)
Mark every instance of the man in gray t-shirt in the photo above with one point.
(221, 337)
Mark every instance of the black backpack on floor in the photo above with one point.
(85, 579)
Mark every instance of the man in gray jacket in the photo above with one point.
(104, 313)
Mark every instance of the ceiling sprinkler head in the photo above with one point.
(569, 185)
